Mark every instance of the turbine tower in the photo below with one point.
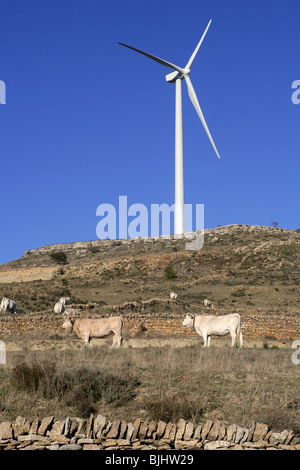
(177, 76)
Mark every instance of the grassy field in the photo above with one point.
(240, 268)
(166, 382)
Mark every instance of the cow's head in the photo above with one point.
(68, 324)
(189, 320)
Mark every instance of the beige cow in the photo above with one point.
(213, 325)
(86, 328)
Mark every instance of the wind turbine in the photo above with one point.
(177, 76)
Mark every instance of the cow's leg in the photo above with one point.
(117, 341)
(204, 340)
(233, 338)
(87, 340)
(208, 341)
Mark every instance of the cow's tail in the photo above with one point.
(239, 332)
(121, 331)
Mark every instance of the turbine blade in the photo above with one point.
(188, 65)
(195, 102)
(157, 59)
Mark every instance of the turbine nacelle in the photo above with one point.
(173, 76)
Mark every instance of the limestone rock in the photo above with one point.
(186, 445)
(6, 430)
(99, 424)
(255, 445)
(217, 431)
(67, 427)
(170, 432)
(82, 423)
(45, 425)
(57, 430)
(214, 445)
(151, 428)
(189, 429)
(206, 428)
(21, 426)
(143, 430)
(30, 438)
(241, 435)
(180, 429)
(197, 433)
(109, 443)
(114, 430)
(278, 437)
(161, 426)
(91, 447)
(136, 427)
(34, 426)
(89, 426)
(260, 432)
(70, 447)
(130, 429)
(123, 429)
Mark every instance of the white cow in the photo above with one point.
(208, 303)
(8, 304)
(173, 296)
(59, 307)
(65, 300)
(86, 328)
(213, 325)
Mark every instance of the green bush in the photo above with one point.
(169, 272)
(59, 257)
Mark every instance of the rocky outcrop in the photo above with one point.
(98, 433)
(234, 229)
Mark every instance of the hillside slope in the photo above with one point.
(241, 267)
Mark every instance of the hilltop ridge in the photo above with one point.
(239, 266)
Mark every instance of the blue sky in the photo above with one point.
(87, 120)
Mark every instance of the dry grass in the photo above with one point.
(167, 383)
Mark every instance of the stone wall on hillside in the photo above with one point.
(98, 433)
(254, 325)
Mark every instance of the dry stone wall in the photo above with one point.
(98, 433)
(253, 325)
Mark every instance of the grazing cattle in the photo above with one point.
(65, 300)
(86, 328)
(72, 311)
(219, 326)
(59, 308)
(8, 304)
(208, 303)
(173, 296)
